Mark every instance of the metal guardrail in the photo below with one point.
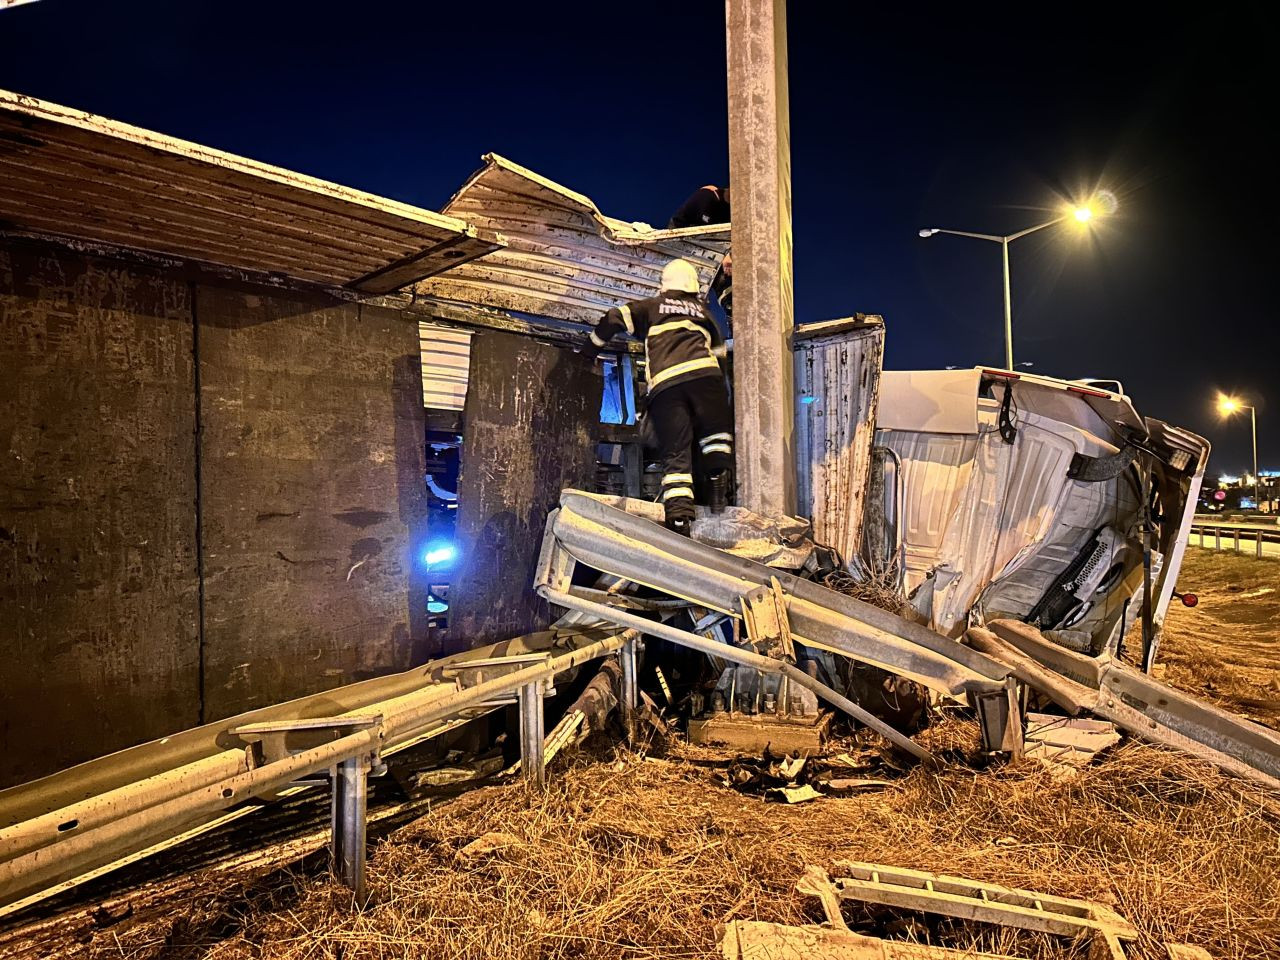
(65, 843)
(1211, 536)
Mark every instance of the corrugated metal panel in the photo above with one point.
(837, 377)
(68, 173)
(563, 258)
(446, 362)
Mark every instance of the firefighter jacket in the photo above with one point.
(681, 340)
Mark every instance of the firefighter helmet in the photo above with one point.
(680, 275)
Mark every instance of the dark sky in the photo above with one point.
(899, 121)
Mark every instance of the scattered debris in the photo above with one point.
(454, 773)
(1065, 744)
(972, 900)
(795, 779)
(792, 794)
(880, 592)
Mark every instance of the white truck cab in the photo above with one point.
(1014, 495)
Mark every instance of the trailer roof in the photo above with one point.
(562, 257)
(70, 174)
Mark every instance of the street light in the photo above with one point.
(1103, 204)
(1231, 405)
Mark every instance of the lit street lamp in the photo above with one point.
(1103, 204)
(1229, 405)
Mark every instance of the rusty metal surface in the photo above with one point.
(529, 430)
(562, 257)
(98, 577)
(837, 376)
(68, 173)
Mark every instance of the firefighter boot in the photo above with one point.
(718, 491)
(679, 515)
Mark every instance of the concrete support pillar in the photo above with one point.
(760, 176)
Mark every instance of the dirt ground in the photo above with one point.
(634, 855)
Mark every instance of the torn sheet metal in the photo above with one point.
(837, 378)
(929, 401)
(562, 257)
(70, 174)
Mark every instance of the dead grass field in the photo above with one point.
(1227, 649)
(633, 856)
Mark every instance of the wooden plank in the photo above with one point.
(18, 169)
(754, 733)
(54, 123)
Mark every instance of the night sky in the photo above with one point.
(899, 121)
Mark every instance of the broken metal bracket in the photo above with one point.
(764, 611)
(1000, 717)
(472, 673)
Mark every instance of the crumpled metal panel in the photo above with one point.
(562, 257)
(837, 377)
(446, 366)
(70, 174)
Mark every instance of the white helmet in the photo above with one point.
(680, 275)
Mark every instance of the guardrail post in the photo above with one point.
(347, 809)
(532, 764)
(630, 686)
(1236, 536)
(1217, 538)
(1259, 545)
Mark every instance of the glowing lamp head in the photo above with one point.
(928, 231)
(1082, 214)
(1228, 406)
(439, 555)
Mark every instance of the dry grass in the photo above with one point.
(1227, 649)
(640, 857)
(879, 591)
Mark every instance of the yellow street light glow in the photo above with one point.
(1083, 214)
(1228, 405)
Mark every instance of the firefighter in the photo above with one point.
(708, 205)
(687, 397)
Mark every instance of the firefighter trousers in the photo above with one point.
(695, 411)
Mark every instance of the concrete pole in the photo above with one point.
(1008, 309)
(763, 315)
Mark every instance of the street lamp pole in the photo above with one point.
(1253, 423)
(1004, 250)
(1230, 405)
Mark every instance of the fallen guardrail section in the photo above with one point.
(62, 827)
(619, 537)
